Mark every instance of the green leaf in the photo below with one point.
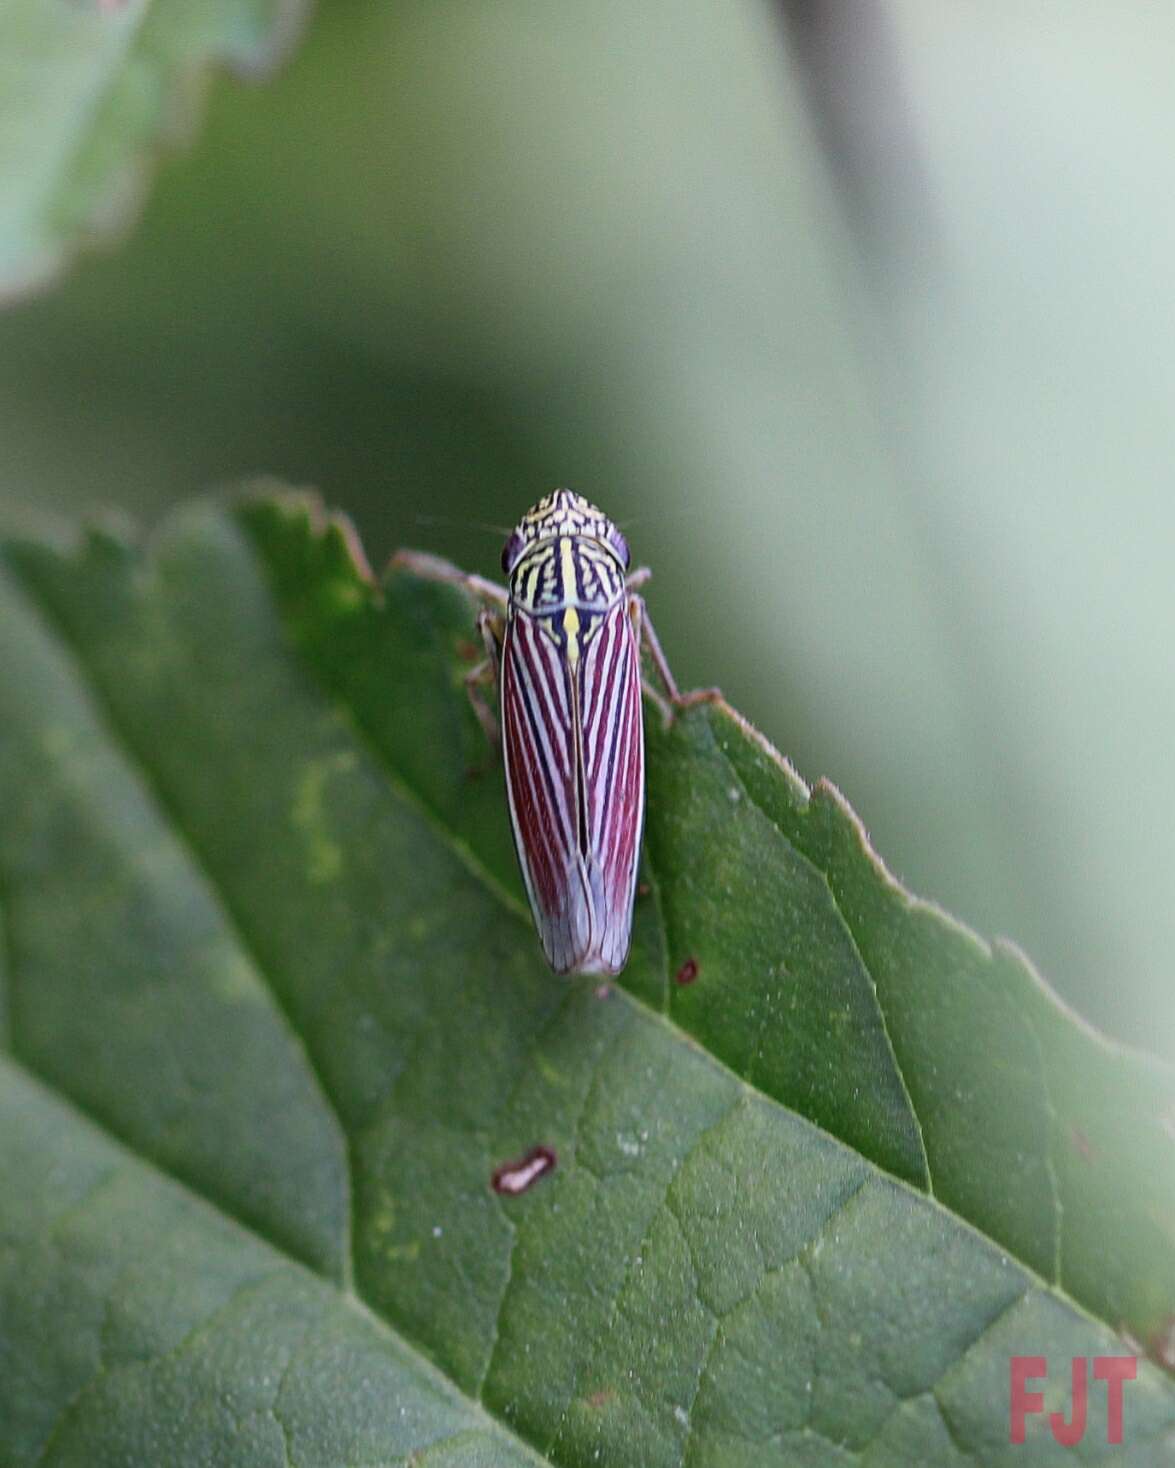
(89, 91)
(264, 938)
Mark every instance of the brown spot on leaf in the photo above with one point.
(467, 651)
(513, 1178)
(687, 973)
(643, 889)
(603, 991)
(600, 1399)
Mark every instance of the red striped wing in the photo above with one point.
(574, 754)
(614, 777)
(539, 747)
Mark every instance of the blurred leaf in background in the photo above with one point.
(858, 315)
(89, 92)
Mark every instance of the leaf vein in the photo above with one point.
(850, 933)
(119, 739)
(428, 1370)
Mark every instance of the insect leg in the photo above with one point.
(435, 568)
(636, 610)
(676, 699)
(491, 627)
(638, 577)
(489, 624)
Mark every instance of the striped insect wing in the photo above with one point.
(539, 748)
(614, 778)
(574, 753)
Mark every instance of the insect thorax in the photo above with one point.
(567, 572)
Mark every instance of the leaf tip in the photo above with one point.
(755, 736)
(265, 500)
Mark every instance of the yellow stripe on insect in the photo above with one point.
(571, 627)
(570, 594)
(531, 595)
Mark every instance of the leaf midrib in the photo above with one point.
(842, 918)
(348, 1295)
(91, 687)
(234, 926)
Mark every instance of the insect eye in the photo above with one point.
(511, 551)
(619, 545)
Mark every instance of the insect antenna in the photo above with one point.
(460, 523)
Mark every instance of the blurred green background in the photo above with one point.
(858, 316)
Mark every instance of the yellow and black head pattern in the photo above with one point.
(563, 513)
(566, 563)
